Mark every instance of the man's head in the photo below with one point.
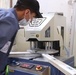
(28, 9)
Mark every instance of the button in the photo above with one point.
(38, 67)
(26, 65)
(37, 35)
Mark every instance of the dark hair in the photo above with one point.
(33, 5)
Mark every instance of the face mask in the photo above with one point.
(24, 22)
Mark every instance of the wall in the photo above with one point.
(14, 2)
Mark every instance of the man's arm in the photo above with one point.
(7, 30)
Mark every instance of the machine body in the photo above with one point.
(46, 35)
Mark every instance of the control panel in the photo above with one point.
(25, 67)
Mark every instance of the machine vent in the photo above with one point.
(47, 32)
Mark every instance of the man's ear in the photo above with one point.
(27, 14)
(27, 11)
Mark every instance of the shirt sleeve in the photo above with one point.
(7, 29)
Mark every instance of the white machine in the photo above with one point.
(46, 35)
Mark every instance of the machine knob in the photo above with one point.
(37, 35)
(38, 67)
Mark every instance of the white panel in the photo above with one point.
(73, 33)
(4, 3)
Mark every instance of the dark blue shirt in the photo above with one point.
(8, 25)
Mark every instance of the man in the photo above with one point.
(9, 25)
